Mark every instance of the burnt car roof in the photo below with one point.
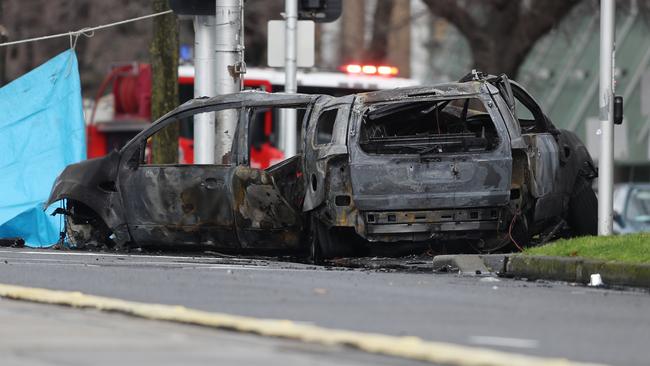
(446, 89)
(235, 100)
(249, 97)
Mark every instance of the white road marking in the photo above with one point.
(504, 342)
(92, 254)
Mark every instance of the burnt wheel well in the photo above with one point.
(80, 213)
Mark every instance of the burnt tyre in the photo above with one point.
(328, 243)
(84, 230)
(582, 216)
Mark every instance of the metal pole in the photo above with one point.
(288, 131)
(229, 67)
(606, 108)
(204, 86)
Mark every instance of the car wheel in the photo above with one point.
(582, 216)
(84, 234)
(315, 252)
(79, 235)
(327, 243)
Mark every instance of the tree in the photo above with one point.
(3, 50)
(164, 85)
(501, 33)
(352, 31)
(377, 51)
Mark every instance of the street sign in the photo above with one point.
(305, 43)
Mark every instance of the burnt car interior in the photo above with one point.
(287, 173)
(428, 127)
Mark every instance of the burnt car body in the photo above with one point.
(475, 161)
(121, 199)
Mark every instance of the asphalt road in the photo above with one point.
(538, 318)
(45, 335)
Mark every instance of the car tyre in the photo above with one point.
(582, 216)
(86, 233)
(326, 243)
(315, 251)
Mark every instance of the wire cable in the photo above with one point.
(88, 32)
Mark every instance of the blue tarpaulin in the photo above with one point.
(41, 131)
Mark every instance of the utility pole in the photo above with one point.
(606, 108)
(288, 131)
(229, 51)
(205, 84)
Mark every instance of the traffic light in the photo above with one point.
(193, 7)
(320, 11)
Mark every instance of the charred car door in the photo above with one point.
(542, 151)
(267, 202)
(168, 202)
(325, 138)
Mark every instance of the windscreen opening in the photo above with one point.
(428, 128)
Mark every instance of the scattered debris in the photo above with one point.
(12, 242)
(596, 280)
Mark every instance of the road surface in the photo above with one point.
(537, 318)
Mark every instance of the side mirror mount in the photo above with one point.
(618, 110)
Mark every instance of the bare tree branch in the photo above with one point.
(507, 30)
(454, 13)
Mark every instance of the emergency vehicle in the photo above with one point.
(131, 111)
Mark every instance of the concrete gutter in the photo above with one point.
(534, 267)
(576, 269)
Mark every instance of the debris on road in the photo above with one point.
(12, 242)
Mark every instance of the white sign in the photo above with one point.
(275, 42)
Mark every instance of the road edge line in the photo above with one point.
(406, 347)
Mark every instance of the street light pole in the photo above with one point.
(288, 132)
(606, 108)
(229, 68)
(204, 86)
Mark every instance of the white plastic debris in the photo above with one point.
(596, 280)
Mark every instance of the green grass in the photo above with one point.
(631, 248)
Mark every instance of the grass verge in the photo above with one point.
(631, 248)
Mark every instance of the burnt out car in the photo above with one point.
(132, 198)
(475, 161)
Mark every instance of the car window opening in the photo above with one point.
(264, 136)
(428, 128)
(325, 127)
(182, 151)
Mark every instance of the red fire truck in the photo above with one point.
(131, 112)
